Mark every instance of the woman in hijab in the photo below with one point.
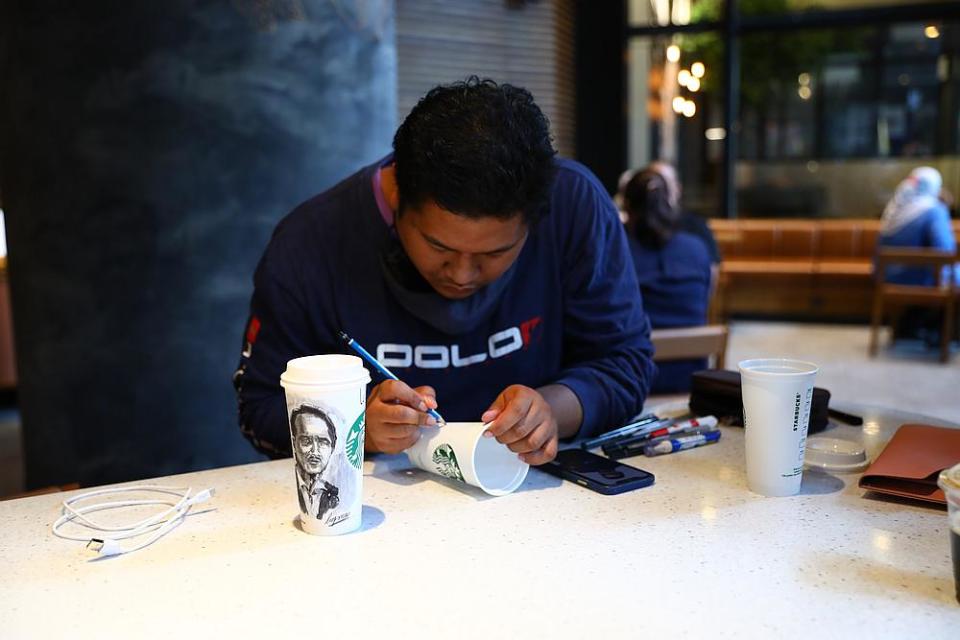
(673, 268)
(916, 217)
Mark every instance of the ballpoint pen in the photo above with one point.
(363, 353)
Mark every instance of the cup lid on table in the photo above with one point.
(835, 454)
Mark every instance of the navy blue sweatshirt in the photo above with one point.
(566, 312)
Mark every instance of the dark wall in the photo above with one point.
(147, 149)
(601, 82)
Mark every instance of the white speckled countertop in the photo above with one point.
(696, 555)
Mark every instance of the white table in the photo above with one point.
(696, 555)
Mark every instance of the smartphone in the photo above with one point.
(595, 472)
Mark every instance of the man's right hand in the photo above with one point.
(395, 413)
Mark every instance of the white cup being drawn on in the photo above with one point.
(459, 451)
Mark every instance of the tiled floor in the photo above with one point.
(907, 376)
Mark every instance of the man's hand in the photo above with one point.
(395, 413)
(521, 419)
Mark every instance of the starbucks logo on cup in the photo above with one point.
(446, 461)
(354, 445)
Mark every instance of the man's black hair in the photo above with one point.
(306, 409)
(478, 149)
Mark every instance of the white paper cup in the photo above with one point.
(326, 399)
(460, 452)
(776, 414)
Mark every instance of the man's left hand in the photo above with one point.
(522, 419)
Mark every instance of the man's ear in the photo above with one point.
(388, 184)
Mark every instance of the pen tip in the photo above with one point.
(343, 336)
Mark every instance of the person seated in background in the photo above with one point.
(917, 217)
(673, 268)
(689, 222)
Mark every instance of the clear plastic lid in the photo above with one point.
(834, 454)
(949, 479)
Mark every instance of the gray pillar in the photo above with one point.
(147, 149)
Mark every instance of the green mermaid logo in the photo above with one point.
(354, 444)
(446, 461)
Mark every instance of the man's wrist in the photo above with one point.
(565, 406)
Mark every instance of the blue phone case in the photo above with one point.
(596, 472)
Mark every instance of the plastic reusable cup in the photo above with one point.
(460, 452)
(949, 481)
(776, 414)
(326, 399)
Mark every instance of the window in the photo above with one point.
(836, 103)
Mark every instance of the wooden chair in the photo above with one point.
(942, 295)
(716, 313)
(691, 342)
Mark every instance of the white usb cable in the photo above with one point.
(157, 525)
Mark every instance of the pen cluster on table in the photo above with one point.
(653, 436)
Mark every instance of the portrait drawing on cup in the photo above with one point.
(446, 461)
(314, 441)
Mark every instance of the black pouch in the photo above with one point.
(716, 392)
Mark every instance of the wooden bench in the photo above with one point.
(797, 268)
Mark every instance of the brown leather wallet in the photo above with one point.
(909, 464)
